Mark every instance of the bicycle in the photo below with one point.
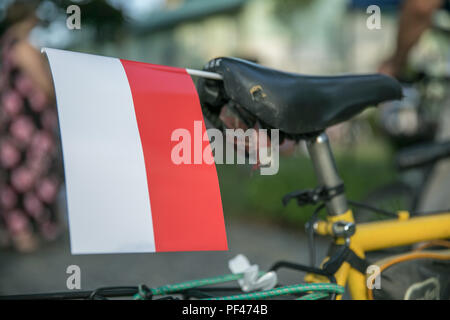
(411, 128)
(303, 107)
(418, 152)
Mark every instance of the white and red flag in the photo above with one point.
(124, 193)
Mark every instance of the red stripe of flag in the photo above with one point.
(185, 199)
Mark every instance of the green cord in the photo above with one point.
(299, 288)
(174, 288)
(314, 296)
(171, 288)
(320, 290)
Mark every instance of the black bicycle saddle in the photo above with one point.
(299, 104)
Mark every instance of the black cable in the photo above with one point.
(103, 293)
(300, 267)
(107, 292)
(370, 208)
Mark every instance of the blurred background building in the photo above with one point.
(308, 36)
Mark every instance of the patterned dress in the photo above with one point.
(30, 172)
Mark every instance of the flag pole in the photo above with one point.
(192, 72)
(204, 74)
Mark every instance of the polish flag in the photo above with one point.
(124, 193)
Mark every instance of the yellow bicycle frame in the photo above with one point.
(380, 235)
(367, 236)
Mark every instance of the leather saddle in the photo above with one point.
(301, 104)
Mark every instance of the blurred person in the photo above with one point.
(415, 19)
(29, 166)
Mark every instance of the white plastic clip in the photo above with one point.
(251, 281)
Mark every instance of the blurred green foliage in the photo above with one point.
(249, 195)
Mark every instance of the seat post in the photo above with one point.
(326, 172)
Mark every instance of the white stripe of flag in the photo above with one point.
(124, 194)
